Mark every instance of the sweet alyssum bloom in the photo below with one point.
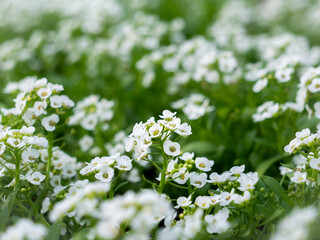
(105, 174)
(315, 163)
(204, 164)
(203, 202)
(30, 154)
(183, 202)
(35, 178)
(181, 176)
(299, 177)
(198, 180)
(260, 85)
(218, 223)
(49, 123)
(171, 148)
(24, 229)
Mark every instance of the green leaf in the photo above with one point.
(6, 209)
(199, 147)
(273, 216)
(265, 165)
(121, 185)
(274, 186)
(82, 235)
(54, 231)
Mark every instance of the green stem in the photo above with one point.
(111, 192)
(49, 161)
(163, 172)
(17, 172)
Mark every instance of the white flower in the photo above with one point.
(284, 75)
(247, 181)
(39, 108)
(203, 202)
(29, 155)
(284, 170)
(44, 93)
(2, 148)
(239, 199)
(35, 178)
(49, 123)
(187, 156)
(215, 199)
(226, 198)
(167, 115)
(259, 85)
(124, 163)
(155, 130)
(299, 177)
(184, 130)
(265, 111)
(56, 101)
(108, 230)
(45, 205)
(295, 226)
(171, 148)
(90, 122)
(16, 142)
(2, 170)
(315, 163)
(198, 180)
(303, 134)
(86, 143)
(317, 109)
(182, 176)
(24, 229)
(105, 174)
(204, 164)
(216, 178)
(293, 146)
(237, 169)
(315, 85)
(218, 223)
(183, 202)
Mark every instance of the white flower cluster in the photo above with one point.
(118, 143)
(245, 182)
(80, 200)
(104, 167)
(196, 59)
(307, 144)
(22, 141)
(181, 169)
(141, 31)
(37, 98)
(91, 112)
(282, 68)
(24, 229)
(296, 225)
(64, 168)
(145, 134)
(303, 138)
(194, 106)
(90, 15)
(186, 228)
(141, 212)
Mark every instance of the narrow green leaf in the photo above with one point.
(82, 235)
(199, 147)
(6, 209)
(265, 165)
(273, 216)
(275, 187)
(54, 231)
